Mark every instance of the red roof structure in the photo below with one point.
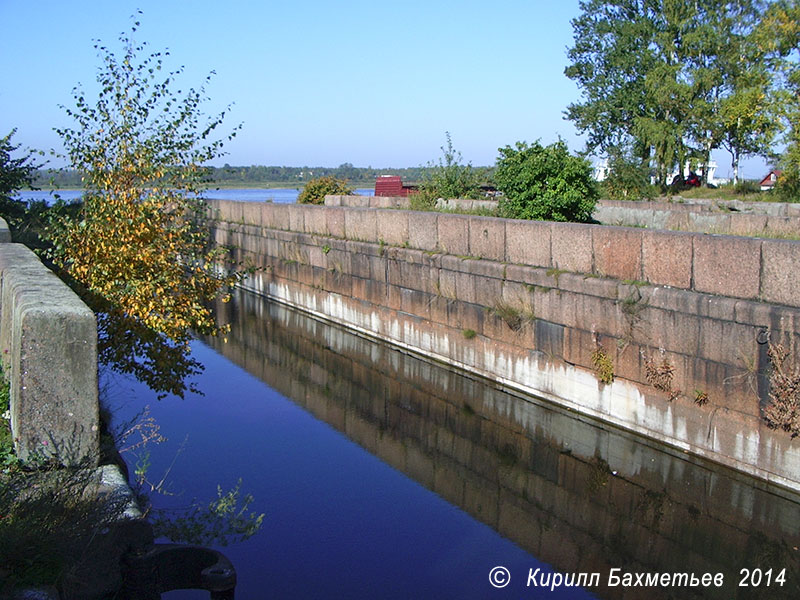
(391, 185)
(770, 180)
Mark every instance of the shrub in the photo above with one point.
(787, 189)
(628, 178)
(449, 179)
(545, 183)
(316, 190)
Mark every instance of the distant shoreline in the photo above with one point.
(223, 186)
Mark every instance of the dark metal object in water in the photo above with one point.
(150, 569)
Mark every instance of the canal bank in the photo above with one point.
(664, 334)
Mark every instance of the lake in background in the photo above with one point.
(280, 195)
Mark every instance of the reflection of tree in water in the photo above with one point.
(128, 347)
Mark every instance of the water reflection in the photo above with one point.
(582, 497)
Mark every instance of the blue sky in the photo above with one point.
(313, 82)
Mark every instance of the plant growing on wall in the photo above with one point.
(545, 183)
(783, 410)
(315, 190)
(603, 365)
(447, 179)
(660, 375)
(141, 238)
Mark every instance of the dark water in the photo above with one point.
(385, 476)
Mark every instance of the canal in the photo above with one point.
(383, 475)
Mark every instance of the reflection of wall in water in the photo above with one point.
(530, 313)
(573, 494)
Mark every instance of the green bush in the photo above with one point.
(545, 183)
(628, 178)
(787, 188)
(316, 190)
(449, 179)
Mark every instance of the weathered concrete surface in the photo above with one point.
(48, 341)
(533, 320)
(5, 233)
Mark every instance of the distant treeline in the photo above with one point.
(229, 175)
(259, 175)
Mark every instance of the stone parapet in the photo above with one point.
(755, 219)
(733, 266)
(48, 344)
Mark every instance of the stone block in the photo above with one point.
(725, 342)
(579, 344)
(49, 339)
(530, 275)
(487, 238)
(334, 220)
(602, 315)
(710, 223)
(453, 234)
(780, 282)
(418, 277)
(315, 220)
(628, 362)
(359, 265)
(571, 245)
(783, 227)
(728, 266)
(667, 258)
(517, 294)
(297, 217)
(423, 230)
(279, 218)
(393, 227)
(746, 224)
(617, 252)
(251, 213)
(356, 201)
(415, 302)
(488, 290)
(361, 224)
(528, 243)
(678, 221)
(465, 287)
(439, 310)
(230, 210)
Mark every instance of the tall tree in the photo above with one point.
(779, 34)
(140, 241)
(15, 173)
(732, 105)
(670, 78)
(608, 61)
